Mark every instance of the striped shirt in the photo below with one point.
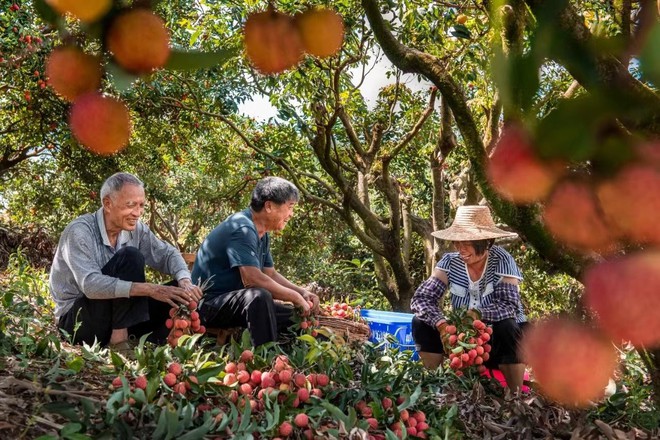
(83, 250)
(495, 300)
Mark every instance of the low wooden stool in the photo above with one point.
(223, 335)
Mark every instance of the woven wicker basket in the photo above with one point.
(352, 331)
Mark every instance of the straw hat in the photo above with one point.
(472, 223)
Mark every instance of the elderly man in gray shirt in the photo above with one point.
(98, 274)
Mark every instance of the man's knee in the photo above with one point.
(258, 298)
(131, 254)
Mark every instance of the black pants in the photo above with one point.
(252, 308)
(504, 340)
(98, 317)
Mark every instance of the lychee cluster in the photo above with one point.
(467, 341)
(413, 423)
(275, 41)
(136, 39)
(184, 320)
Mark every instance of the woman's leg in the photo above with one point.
(428, 344)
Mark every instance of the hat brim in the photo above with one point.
(454, 233)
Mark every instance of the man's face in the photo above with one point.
(279, 215)
(124, 208)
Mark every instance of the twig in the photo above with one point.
(78, 394)
(47, 422)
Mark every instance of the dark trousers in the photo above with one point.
(252, 308)
(98, 317)
(504, 340)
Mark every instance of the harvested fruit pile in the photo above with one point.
(341, 310)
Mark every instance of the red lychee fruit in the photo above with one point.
(631, 202)
(272, 41)
(175, 368)
(321, 31)
(169, 379)
(572, 362)
(515, 171)
(285, 429)
(141, 382)
(101, 123)
(72, 72)
(301, 420)
(139, 41)
(246, 356)
(625, 294)
(573, 216)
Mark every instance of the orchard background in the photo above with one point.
(547, 110)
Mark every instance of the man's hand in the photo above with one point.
(172, 295)
(190, 288)
(303, 304)
(314, 299)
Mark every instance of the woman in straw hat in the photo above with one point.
(481, 277)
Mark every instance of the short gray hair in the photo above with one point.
(273, 189)
(116, 182)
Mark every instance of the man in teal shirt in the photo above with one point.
(235, 260)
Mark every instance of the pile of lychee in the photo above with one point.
(413, 423)
(275, 41)
(341, 310)
(468, 345)
(183, 320)
(135, 38)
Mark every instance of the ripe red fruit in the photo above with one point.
(101, 123)
(571, 362)
(194, 316)
(625, 294)
(169, 323)
(301, 420)
(574, 217)
(72, 73)
(255, 377)
(451, 329)
(246, 356)
(169, 379)
(192, 305)
(387, 403)
(245, 388)
(202, 330)
(139, 41)
(141, 382)
(285, 376)
(321, 31)
(272, 42)
(631, 202)
(175, 368)
(116, 382)
(303, 394)
(230, 379)
(516, 172)
(299, 379)
(322, 379)
(243, 376)
(285, 429)
(180, 388)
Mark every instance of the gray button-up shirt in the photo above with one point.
(83, 250)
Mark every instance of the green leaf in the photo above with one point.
(650, 56)
(198, 432)
(121, 79)
(76, 364)
(205, 374)
(335, 412)
(70, 428)
(64, 409)
(410, 400)
(193, 60)
(45, 12)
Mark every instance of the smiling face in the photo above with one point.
(468, 253)
(123, 209)
(278, 215)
